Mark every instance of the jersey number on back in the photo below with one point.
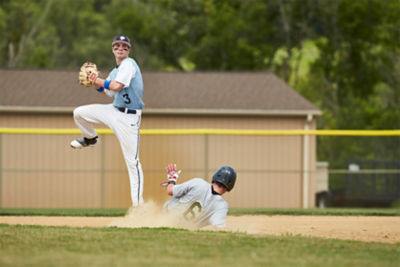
(193, 211)
(127, 99)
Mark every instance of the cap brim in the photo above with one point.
(121, 42)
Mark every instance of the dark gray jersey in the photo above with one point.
(195, 202)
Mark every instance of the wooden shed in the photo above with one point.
(43, 171)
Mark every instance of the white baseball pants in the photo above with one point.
(126, 127)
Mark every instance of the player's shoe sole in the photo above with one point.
(83, 142)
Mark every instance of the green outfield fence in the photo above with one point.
(336, 175)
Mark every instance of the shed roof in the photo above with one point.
(259, 93)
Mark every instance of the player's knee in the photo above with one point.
(133, 163)
(79, 111)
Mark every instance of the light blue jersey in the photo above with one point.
(123, 116)
(128, 73)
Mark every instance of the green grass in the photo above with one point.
(322, 212)
(234, 211)
(64, 246)
(62, 212)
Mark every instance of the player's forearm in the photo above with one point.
(169, 189)
(111, 85)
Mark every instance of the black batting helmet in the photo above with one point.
(225, 175)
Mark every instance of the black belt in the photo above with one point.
(127, 110)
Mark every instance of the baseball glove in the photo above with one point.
(88, 74)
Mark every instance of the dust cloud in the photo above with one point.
(151, 214)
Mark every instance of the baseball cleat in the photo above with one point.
(83, 142)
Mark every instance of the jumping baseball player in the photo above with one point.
(199, 201)
(123, 116)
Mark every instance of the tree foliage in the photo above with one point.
(343, 55)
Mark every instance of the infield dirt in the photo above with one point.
(384, 229)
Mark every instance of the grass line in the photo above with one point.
(62, 212)
(319, 212)
(232, 211)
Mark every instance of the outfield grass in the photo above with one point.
(234, 211)
(64, 246)
(322, 212)
(63, 212)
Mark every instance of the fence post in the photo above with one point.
(206, 156)
(102, 171)
(1, 168)
(306, 162)
(306, 176)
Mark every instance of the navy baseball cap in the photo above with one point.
(121, 39)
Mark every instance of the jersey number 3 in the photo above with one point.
(127, 99)
(193, 211)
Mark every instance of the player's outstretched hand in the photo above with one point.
(172, 174)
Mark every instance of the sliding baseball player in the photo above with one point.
(197, 200)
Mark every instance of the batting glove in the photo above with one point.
(172, 174)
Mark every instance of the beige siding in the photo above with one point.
(165, 122)
(43, 171)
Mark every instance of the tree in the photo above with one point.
(24, 20)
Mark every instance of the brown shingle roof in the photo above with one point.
(246, 91)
